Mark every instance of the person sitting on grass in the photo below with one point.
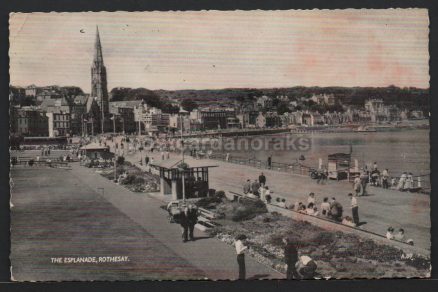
(325, 207)
(306, 267)
(282, 204)
(348, 221)
(310, 210)
(251, 195)
(400, 235)
(301, 208)
(390, 233)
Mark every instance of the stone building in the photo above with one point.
(29, 122)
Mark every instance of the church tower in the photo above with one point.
(99, 89)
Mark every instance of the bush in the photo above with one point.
(208, 202)
(128, 180)
(138, 180)
(120, 160)
(220, 194)
(183, 165)
(248, 209)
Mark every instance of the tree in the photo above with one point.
(189, 105)
(282, 108)
(72, 90)
(169, 109)
(151, 100)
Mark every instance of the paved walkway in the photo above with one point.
(55, 216)
(381, 209)
(216, 259)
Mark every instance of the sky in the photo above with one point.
(223, 49)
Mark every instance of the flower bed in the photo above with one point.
(338, 255)
(136, 180)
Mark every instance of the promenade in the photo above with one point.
(378, 211)
(74, 213)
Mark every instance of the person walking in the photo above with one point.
(385, 178)
(240, 251)
(262, 179)
(146, 160)
(269, 162)
(364, 178)
(290, 258)
(184, 222)
(192, 220)
(247, 187)
(354, 209)
(357, 185)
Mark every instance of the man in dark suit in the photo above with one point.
(184, 221)
(290, 258)
(192, 220)
(262, 179)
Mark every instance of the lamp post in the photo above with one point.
(103, 115)
(82, 125)
(183, 185)
(92, 126)
(182, 141)
(141, 153)
(115, 167)
(114, 124)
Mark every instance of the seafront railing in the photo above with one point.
(293, 168)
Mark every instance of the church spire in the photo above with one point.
(98, 48)
(98, 78)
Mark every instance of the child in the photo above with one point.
(400, 235)
(282, 204)
(311, 198)
(348, 221)
(325, 207)
(390, 233)
(268, 195)
(240, 251)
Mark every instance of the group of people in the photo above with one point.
(382, 179)
(330, 208)
(188, 219)
(405, 182)
(399, 235)
(257, 189)
(298, 265)
(45, 151)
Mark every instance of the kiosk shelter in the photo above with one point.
(184, 183)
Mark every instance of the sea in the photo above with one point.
(402, 150)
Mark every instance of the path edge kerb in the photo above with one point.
(324, 224)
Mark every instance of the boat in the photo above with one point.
(365, 129)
